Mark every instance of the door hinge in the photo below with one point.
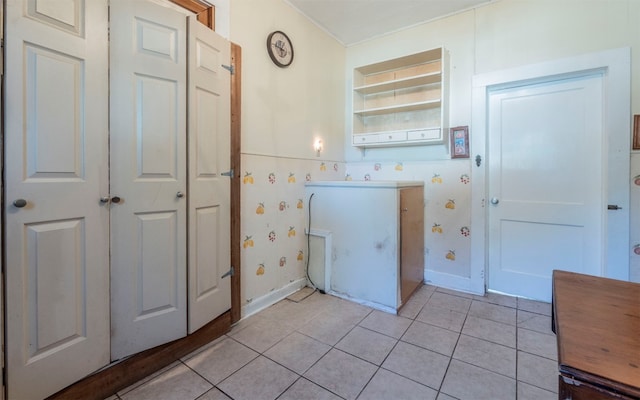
(229, 68)
(229, 173)
(478, 160)
(230, 272)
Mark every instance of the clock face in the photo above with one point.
(280, 49)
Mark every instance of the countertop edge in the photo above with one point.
(365, 184)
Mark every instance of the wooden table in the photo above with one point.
(597, 324)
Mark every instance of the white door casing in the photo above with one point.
(546, 208)
(209, 124)
(56, 141)
(614, 67)
(148, 175)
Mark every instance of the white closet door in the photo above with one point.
(209, 191)
(148, 176)
(56, 141)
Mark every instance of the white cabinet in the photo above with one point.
(376, 252)
(402, 101)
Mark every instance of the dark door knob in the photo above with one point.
(115, 199)
(20, 203)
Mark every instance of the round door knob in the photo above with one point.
(494, 200)
(104, 199)
(115, 199)
(179, 195)
(19, 203)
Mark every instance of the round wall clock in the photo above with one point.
(280, 49)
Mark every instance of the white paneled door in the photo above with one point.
(547, 151)
(96, 187)
(148, 176)
(209, 190)
(56, 171)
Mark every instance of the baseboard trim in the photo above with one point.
(120, 375)
(449, 281)
(367, 303)
(273, 297)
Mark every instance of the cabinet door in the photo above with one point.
(148, 175)
(209, 191)
(411, 241)
(56, 141)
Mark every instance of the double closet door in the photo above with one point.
(152, 195)
(116, 212)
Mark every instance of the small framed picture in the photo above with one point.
(636, 132)
(460, 142)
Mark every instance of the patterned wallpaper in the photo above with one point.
(273, 219)
(274, 214)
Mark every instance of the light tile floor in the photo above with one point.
(443, 345)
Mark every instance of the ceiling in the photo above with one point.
(352, 21)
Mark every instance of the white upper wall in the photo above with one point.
(223, 16)
(285, 109)
(501, 35)
(519, 32)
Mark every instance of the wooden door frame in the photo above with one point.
(205, 13)
(236, 102)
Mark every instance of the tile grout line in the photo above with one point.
(332, 347)
(398, 340)
(452, 352)
(379, 366)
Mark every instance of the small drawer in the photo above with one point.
(423, 134)
(365, 139)
(393, 137)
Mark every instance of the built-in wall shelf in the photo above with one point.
(407, 107)
(419, 80)
(402, 101)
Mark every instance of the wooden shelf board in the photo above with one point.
(422, 105)
(433, 55)
(419, 80)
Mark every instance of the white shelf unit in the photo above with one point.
(402, 101)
